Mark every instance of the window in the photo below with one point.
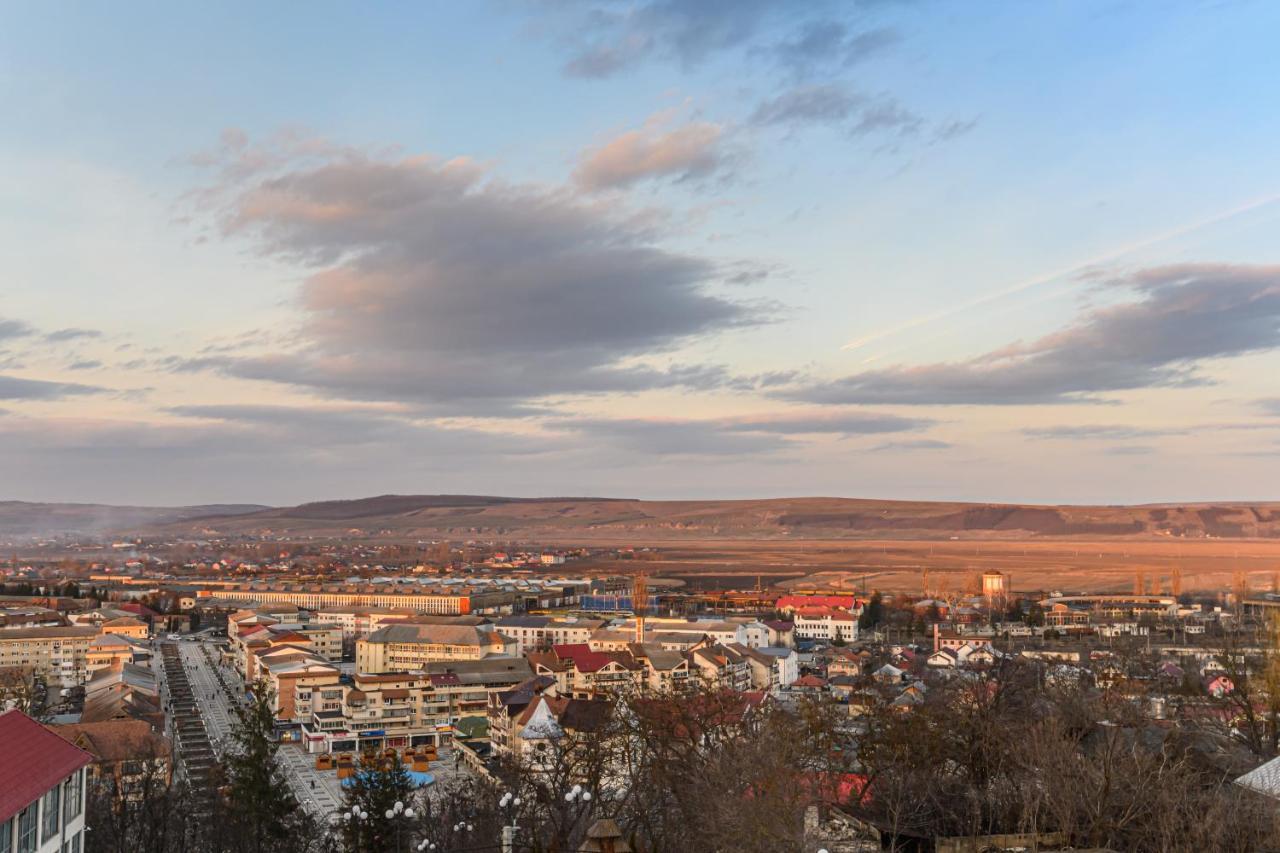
(52, 814)
(75, 795)
(6, 836)
(75, 843)
(27, 829)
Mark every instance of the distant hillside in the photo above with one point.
(604, 520)
(21, 520)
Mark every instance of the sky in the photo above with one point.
(906, 249)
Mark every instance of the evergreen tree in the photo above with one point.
(375, 789)
(263, 815)
(872, 614)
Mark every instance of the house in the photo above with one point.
(582, 672)
(42, 788)
(1218, 685)
(809, 684)
(531, 723)
(665, 670)
(126, 753)
(889, 674)
(124, 691)
(947, 658)
(772, 667)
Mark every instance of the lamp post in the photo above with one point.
(354, 817)
(578, 795)
(509, 800)
(398, 815)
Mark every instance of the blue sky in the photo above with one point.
(719, 249)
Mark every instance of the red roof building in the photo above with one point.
(41, 784)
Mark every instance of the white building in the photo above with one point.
(42, 782)
(827, 623)
(539, 632)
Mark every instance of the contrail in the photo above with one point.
(1053, 276)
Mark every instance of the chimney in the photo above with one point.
(937, 637)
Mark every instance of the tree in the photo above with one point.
(261, 814)
(375, 789)
(23, 689)
(872, 613)
(149, 812)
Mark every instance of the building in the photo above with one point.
(994, 585)
(540, 632)
(297, 678)
(725, 666)
(330, 596)
(125, 753)
(403, 709)
(356, 622)
(122, 692)
(536, 733)
(30, 616)
(59, 656)
(402, 647)
(826, 623)
(108, 650)
(582, 672)
(42, 788)
(772, 667)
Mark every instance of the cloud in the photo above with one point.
(914, 444)
(857, 423)
(673, 437)
(85, 364)
(1098, 431)
(14, 329)
(834, 104)
(686, 153)
(1269, 405)
(333, 427)
(610, 39)
(14, 388)
(820, 45)
(1129, 450)
(745, 435)
(256, 452)
(1184, 316)
(432, 282)
(71, 334)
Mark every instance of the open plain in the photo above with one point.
(1205, 566)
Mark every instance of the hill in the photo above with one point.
(614, 519)
(22, 519)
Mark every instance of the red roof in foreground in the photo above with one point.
(35, 759)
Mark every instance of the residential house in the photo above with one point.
(126, 754)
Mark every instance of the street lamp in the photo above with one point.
(399, 814)
(509, 832)
(354, 817)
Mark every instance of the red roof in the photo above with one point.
(586, 660)
(140, 609)
(35, 759)
(789, 601)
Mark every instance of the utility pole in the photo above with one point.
(508, 839)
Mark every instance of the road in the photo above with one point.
(319, 792)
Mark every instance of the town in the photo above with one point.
(484, 672)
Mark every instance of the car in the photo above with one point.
(173, 637)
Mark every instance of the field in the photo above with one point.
(1208, 566)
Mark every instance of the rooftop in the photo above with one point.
(36, 759)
